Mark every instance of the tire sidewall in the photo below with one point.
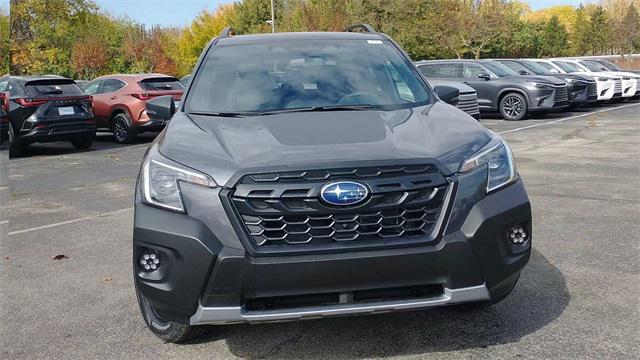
(525, 108)
(126, 121)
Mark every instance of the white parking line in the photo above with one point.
(67, 222)
(567, 118)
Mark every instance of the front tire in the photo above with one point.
(513, 107)
(123, 132)
(168, 331)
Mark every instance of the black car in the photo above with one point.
(325, 178)
(582, 88)
(46, 108)
(501, 89)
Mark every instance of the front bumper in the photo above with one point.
(549, 99)
(207, 276)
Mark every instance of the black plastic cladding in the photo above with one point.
(280, 211)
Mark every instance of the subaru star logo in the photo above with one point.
(344, 193)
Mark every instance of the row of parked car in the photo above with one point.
(517, 88)
(47, 108)
(52, 108)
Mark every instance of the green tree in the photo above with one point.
(598, 30)
(628, 31)
(580, 34)
(554, 38)
(4, 43)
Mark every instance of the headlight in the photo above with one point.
(569, 80)
(602, 79)
(161, 182)
(542, 85)
(498, 158)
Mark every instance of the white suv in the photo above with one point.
(605, 84)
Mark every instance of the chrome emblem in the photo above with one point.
(343, 193)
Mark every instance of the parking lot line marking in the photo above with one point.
(67, 222)
(567, 118)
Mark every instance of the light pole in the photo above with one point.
(273, 18)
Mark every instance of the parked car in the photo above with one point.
(500, 88)
(119, 102)
(582, 88)
(4, 117)
(467, 98)
(46, 108)
(344, 186)
(605, 84)
(607, 66)
(625, 87)
(613, 67)
(82, 83)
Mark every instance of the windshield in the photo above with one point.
(548, 67)
(159, 84)
(568, 67)
(498, 69)
(591, 66)
(298, 74)
(609, 65)
(537, 68)
(39, 88)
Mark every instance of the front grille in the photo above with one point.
(617, 89)
(592, 90)
(561, 94)
(285, 209)
(468, 102)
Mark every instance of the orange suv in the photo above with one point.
(120, 100)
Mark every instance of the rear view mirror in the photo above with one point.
(484, 76)
(161, 108)
(448, 94)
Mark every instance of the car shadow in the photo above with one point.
(540, 297)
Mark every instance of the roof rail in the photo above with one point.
(226, 32)
(362, 27)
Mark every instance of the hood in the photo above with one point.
(544, 79)
(623, 74)
(223, 146)
(576, 76)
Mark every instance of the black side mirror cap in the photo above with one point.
(448, 94)
(484, 76)
(524, 72)
(161, 108)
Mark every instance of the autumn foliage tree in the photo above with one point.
(88, 58)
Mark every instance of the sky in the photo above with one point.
(182, 12)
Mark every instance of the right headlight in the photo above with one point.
(161, 180)
(498, 159)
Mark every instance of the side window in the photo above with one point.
(472, 71)
(111, 85)
(92, 87)
(403, 89)
(514, 66)
(449, 70)
(428, 70)
(4, 84)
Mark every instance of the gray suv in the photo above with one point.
(326, 178)
(501, 89)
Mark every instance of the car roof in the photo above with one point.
(134, 77)
(300, 36)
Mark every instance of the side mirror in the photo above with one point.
(161, 108)
(524, 72)
(448, 94)
(484, 76)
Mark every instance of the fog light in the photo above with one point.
(149, 261)
(518, 235)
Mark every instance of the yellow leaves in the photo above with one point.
(565, 13)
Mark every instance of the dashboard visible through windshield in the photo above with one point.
(267, 77)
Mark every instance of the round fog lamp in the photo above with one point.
(518, 235)
(149, 261)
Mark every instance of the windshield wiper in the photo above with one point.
(224, 114)
(319, 108)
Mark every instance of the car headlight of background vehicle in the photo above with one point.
(543, 86)
(161, 180)
(498, 158)
(602, 79)
(569, 80)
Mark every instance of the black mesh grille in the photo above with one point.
(618, 87)
(561, 94)
(592, 90)
(282, 209)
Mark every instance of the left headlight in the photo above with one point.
(543, 86)
(498, 158)
(161, 180)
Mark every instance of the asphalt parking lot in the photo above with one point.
(578, 297)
